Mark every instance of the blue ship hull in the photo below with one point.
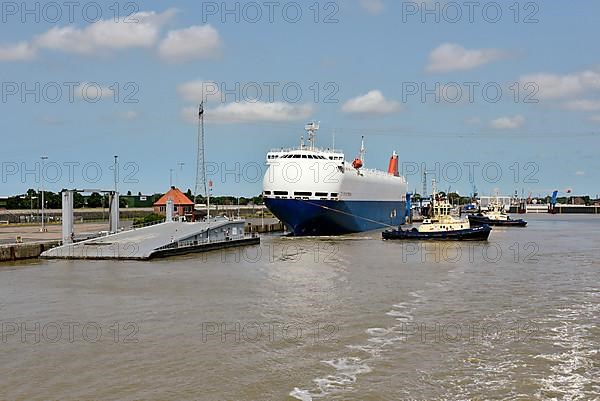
(326, 217)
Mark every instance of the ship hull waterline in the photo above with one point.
(328, 217)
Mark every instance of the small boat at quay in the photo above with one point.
(495, 216)
(441, 226)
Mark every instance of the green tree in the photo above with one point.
(453, 198)
(94, 200)
(78, 200)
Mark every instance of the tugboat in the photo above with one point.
(441, 225)
(495, 216)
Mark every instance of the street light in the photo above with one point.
(44, 158)
(116, 166)
(180, 164)
(31, 198)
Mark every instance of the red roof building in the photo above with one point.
(182, 205)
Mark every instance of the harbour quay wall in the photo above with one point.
(30, 250)
(560, 209)
(571, 209)
(266, 228)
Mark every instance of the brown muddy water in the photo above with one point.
(351, 318)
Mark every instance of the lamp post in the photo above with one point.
(44, 158)
(180, 165)
(116, 166)
(31, 198)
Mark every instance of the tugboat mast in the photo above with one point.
(433, 196)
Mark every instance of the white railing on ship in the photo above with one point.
(306, 148)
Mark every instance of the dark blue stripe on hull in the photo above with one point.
(317, 217)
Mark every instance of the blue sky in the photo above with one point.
(368, 57)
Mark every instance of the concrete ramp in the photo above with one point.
(158, 240)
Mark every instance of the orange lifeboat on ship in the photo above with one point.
(357, 163)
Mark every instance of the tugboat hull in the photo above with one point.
(482, 220)
(480, 233)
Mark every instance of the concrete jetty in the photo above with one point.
(30, 250)
(164, 239)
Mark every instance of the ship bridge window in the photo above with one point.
(302, 193)
(304, 156)
(267, 192)
(334, 195)
(281, 193)
(296, 156)
(321, 194)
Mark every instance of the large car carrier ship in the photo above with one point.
(317, 192)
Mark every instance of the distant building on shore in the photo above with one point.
(182, 205)
(139, 200)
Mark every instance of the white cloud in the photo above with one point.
(580, 173)
(373, 103)
(453, 57)
(129, 115)
(50, 120)
(92, 92)
(582, 105)
(195, 42)
(21, 51)
(252, 112)
(595, 119)
(554, 86)
(373, 7)
(196, 91)
(508, 122)
(473, 121)
(106, 34)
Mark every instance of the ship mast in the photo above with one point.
(311, 129)
(362, 149)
